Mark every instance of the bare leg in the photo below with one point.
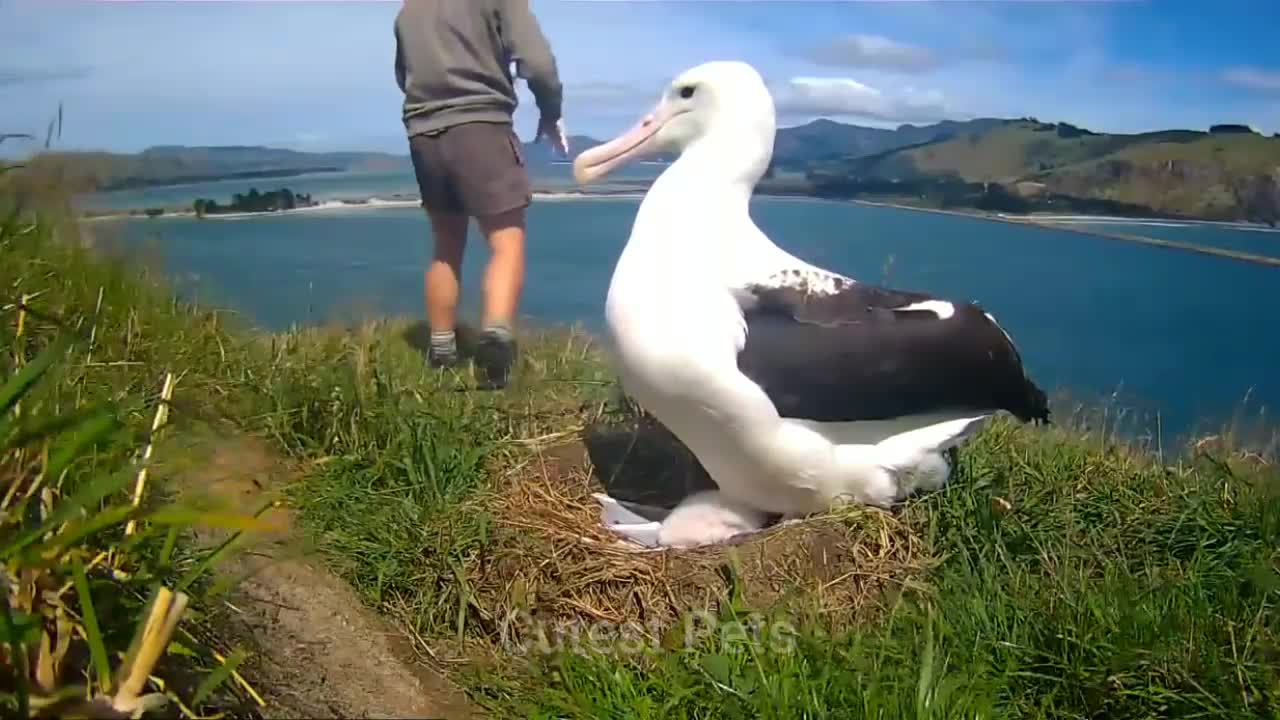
(503, 281)
(504, 277)
(443, 279)
(442, 284)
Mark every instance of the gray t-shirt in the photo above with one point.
(453, 62)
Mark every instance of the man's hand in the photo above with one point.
(554, 132)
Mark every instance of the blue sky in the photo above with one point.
(318, 75)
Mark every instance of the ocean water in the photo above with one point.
(1158, 331)
(322, 187)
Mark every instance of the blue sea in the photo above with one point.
(325, 187)
(1174, 341)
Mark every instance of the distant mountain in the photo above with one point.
(174, 164)
(1229, 172)
(795, 147)
(233, 158)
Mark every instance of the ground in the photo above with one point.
(320, 651)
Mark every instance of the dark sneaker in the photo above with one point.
(494, 357)
(438, 362)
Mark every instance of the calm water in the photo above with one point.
(321, 187)
(1186, 335)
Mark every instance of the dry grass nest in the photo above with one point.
(553, 563)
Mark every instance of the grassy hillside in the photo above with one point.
(1203, 177)
(97, 539)
(1175, 172)
(1063, 575)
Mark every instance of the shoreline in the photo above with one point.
(370, 203)
(1066, 219)
(1079, 224)
(638, 192)
(1055, 222)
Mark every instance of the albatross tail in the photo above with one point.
(893, 466)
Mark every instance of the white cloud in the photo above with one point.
(874, 51)
(1252, 78)
(133, 74)
(846, 97)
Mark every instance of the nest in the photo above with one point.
(554, 566)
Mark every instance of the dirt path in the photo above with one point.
(319, 652)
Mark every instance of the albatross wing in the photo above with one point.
(852, 352)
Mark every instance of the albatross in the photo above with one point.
(798, 388)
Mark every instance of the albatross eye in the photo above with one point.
(686, 92)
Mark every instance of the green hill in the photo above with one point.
(827, 139)
(1229, 176)
(1229, 172)
(172, 165)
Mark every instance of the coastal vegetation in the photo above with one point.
(254, 202)
(1066, 573)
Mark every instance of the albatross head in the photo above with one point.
(722, 110)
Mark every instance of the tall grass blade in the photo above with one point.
(170, 542)
(91, 493)
(87, 435)
(18, 652)
(21, 382)
(219, 675)
(92, 633)
(78, 532)
(216, 554)
(23, 435)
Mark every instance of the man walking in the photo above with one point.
(453, 60)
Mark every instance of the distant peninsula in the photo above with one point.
(1007, 165)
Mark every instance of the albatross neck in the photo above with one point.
(719, 173)
(694, 217)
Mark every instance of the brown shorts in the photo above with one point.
(475, 169)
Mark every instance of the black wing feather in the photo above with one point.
(849, 356)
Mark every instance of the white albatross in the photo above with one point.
(797, 388)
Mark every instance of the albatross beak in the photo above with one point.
(630, 145)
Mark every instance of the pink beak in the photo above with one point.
(630, 145)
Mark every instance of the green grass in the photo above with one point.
(398, 503)
(85, 565)
(1061, 575)
(1114, 588)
